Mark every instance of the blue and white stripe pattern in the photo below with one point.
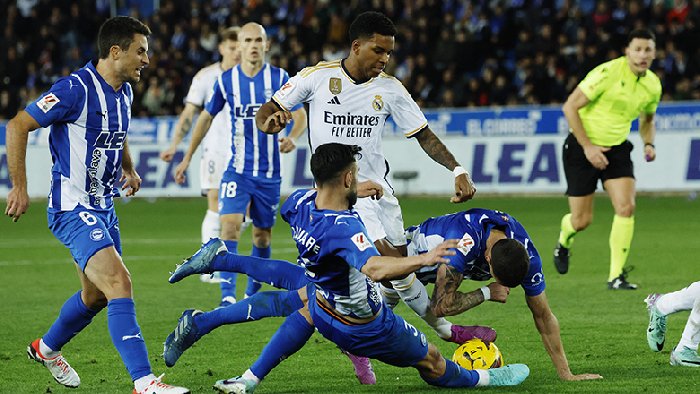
(89, 121)
(255, 153)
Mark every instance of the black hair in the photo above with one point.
(230, 33)
(119, 31)
(509, 262)
(329, 160)
(368, 23)
(644, 34)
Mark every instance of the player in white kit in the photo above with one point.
(349, 103)
(660, 306)
(216, 153)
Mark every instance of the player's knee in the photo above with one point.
(94, 299)
(433, 365)
(262, 237)
(625, 210)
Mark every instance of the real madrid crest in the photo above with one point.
(335, 85)
(377, 103)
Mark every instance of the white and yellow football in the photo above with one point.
(478, 354)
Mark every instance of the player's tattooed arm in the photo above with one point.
(437, 151)
(447, 300)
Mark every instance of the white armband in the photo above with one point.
(486, 292)
(459, 171)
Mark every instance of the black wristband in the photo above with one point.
(649, 144)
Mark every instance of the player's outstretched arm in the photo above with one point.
(447, 300)
(130, 178)
(548, 327)
(382, 268)
(182, 127)
(271, 119)
(17, 132)
(431, 144)
(200, 131)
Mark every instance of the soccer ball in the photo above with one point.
(478, 354)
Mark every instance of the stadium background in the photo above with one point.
(491, 76)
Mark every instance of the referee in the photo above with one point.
(600, 112)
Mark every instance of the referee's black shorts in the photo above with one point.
(582, 177)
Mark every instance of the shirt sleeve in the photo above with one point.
(61, 103)
(651, 107)
(197, 94)
(596, 82)
(533, 283)
(295, 91)
(407, 115)
(349, 241)
(217, 100)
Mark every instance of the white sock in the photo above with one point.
(691, 332)
(211, 227)
(415, 295)
(246, 222)
(484, 378)
(47, 351)
(141, 383)
(681, 300)
(391, 296)
(248, 374)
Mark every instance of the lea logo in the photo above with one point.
(360, 240)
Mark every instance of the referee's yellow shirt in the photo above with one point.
(617, 97)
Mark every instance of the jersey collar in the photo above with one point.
(347, 74)
(92, 65)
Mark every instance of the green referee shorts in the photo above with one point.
(582, 178)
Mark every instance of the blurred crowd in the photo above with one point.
(449, 53)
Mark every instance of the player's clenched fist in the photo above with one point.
(17, 203)
(276, 122)
(180, 171)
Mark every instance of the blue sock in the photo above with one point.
(74, 316)
(289, 338)
(126, 336)
(254, 285)
(280, 274)
(228, 285)
(455, 376)
(255, 307)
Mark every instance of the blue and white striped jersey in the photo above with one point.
(255, 153)
(89, 121)
(333, 247)
(472, 228)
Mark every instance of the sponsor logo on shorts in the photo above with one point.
(97, 234)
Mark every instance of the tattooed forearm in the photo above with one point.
(447, 300)
(437, 151)
(185, 128)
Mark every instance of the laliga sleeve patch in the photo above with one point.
(47, 102)
(361, 241)
(465, 244)
(285, 89)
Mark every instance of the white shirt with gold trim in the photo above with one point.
(346, 112)
(218, 139)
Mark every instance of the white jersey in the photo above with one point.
(343, 111)
(218, 138)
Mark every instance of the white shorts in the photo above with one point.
(382, 218)
(211, 167)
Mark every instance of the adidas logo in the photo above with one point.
(334, 100)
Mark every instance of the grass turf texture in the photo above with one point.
(603, 331)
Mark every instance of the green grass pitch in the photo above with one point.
(603, 332)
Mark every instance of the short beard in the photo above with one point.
(352, 199)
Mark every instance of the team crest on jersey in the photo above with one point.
(465, 244)
(335, 85)
(377, 103)
(360, 240)
(47, 102)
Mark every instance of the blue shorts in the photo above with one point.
(263, 195)
(388, 338)
(85, 232)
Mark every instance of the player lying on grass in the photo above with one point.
(493, 245)
(343, 267)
